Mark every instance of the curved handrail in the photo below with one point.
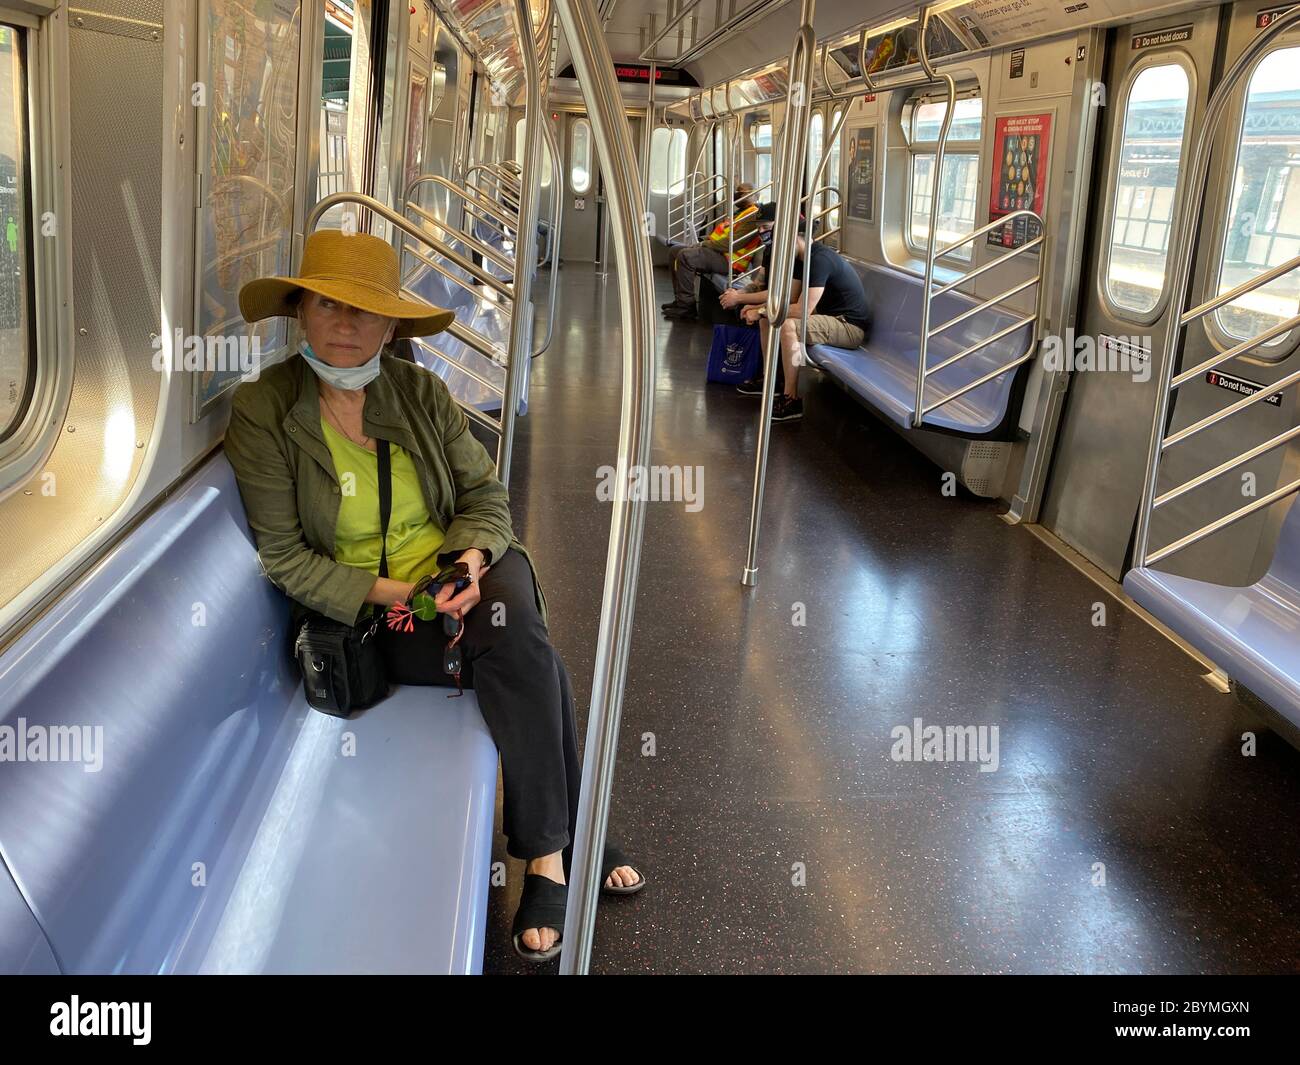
(1020, 320)
(498, 187)
(408, 227)
(459, 235)
(466, 195)
(840, 94)
(497, 171)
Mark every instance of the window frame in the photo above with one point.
(1158, 58)
(914, 148)
(36, 427)
(23, 209)
(1282, 347)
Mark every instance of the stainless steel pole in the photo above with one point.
(936, 183)
(794, 150)
(595, 70)
(647, 132)
(521, 318)
(814, 213)
(557, 231)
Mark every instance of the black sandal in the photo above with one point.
(613, 859)
(541, 905)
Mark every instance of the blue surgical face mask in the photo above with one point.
(349, 378)
(765, 237)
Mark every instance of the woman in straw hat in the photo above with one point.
(306, 428)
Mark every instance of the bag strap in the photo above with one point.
(385, 501)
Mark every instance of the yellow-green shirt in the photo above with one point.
(413, 538)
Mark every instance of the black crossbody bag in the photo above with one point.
(342, 666)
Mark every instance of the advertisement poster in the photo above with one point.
(1020, 151)
(996, 22)
(898, 48)
(862, 174)
(248, 158)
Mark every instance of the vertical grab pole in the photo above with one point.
(733, 157)
(521, 325)
(557, 231)
(794, 150)
(1184, 243)
(936, 180)
(647, 135)
(595, 70)
(815, 213)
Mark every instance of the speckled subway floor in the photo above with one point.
(777, 832)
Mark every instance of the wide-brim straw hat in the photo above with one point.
(354, 268)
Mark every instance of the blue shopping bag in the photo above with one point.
(736, 355)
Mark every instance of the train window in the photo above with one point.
(18, 355)
(580, 157)
(1146, 183)
(816, 135)
(659, 142)
(832, 177)
(959, 182)
(519, 152)
(760, 135)
(1263, 228)
(677, 161)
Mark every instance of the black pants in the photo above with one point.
(526, 700)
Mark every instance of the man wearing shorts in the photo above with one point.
(837, 312)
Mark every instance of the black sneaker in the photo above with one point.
(679, 313)
(669, 304)
(787, 408)
(752, 387)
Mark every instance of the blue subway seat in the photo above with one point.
(1252, 633)
(882, 373)
(228, 827)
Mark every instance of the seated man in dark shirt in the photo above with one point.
(837, 313)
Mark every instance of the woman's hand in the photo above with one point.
(385, 591)
(752, 314)
(458, 604)
(729, 298)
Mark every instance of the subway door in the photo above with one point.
(1155, 93)
(581, 182)
(1251, 223)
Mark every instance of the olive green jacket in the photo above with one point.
(291, 491)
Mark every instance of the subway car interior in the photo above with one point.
(895, 404)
